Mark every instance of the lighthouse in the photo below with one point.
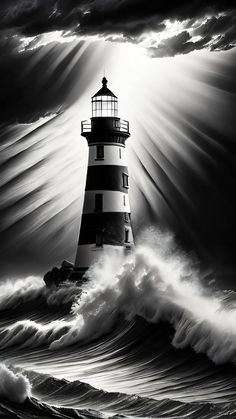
(105, 222)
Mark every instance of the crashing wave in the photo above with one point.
(156, 282)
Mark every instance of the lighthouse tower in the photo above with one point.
(105, 220)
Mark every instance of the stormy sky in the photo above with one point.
(163, 29)
(172, 65)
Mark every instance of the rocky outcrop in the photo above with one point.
(58, 275)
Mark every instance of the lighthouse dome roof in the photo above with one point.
(104, 91)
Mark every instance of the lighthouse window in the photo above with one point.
(126, 217)
(98, 202)
(120, 153)
(126, 236)
(104, 106)
(124, 200)
(100, 152)
(125, 180)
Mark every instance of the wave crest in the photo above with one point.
(13, 293)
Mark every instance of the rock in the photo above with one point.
(58, 275)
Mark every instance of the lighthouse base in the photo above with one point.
(76, 275)
(89, 254)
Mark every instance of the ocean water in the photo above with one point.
(146, 336)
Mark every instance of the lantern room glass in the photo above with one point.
(103, 106)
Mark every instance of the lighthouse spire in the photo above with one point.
(104, 81)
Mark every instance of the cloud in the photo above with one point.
(101, 16)
(178, 44)
(216, 25)
(13, 386)
(224, 42)
(215, 33)
(124, 20)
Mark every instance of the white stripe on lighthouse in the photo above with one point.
(113, 155)
(112, 201)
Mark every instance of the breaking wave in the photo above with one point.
(13, 386)
(156, 282)
(13, 293)
(16, 292)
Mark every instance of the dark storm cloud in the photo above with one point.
(179, 44)
(99, 16)
(222, 28)
(216, 25)
(225, 42)
(128, 19)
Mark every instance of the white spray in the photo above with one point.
(23, 290)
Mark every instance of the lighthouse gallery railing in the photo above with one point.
(123, 126)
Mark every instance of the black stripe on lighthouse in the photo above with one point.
(110, 226)
(108, 178)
